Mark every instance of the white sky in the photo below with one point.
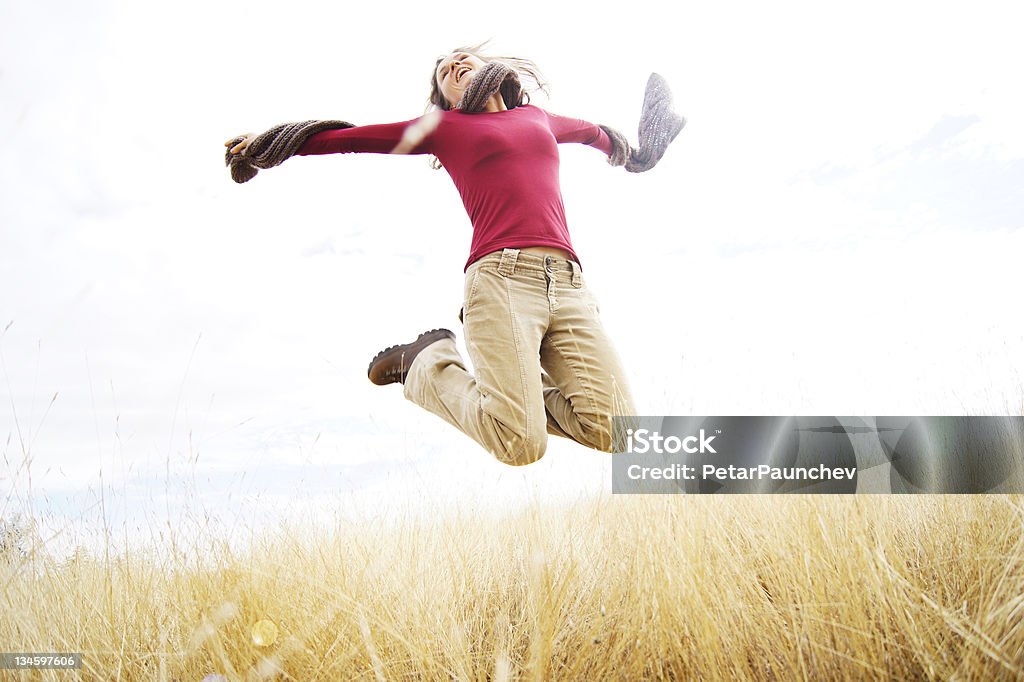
(836, 231)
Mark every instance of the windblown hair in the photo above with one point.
(529, 75)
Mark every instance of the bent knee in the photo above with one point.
(520, 451)
(598, 433)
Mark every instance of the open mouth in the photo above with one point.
(462, 71)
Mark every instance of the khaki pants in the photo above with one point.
(543, 361)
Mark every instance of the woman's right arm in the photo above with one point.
(405, 137)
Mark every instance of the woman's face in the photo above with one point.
(454, 73)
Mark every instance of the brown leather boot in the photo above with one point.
(392, 364)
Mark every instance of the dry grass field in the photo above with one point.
(620, 588)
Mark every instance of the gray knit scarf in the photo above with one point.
(659, 125)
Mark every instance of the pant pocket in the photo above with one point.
(469, 291)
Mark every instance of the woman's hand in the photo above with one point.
(239, 147)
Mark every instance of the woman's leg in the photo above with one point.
(585, 385)
(501, 405)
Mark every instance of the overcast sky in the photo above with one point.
(836, 231)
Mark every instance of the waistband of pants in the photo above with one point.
(509, 261)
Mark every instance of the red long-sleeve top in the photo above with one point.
(504, 164)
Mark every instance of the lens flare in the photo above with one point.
(264, 633)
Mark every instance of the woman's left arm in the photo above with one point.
(568, 129)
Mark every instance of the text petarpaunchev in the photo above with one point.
(685, 472)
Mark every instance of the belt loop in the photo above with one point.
(577, 274)
(507, 266)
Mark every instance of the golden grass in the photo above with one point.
(623, 587)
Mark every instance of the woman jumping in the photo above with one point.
(543, 362)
